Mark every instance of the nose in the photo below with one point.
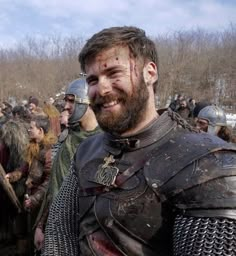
(67, 105)
(104, 86)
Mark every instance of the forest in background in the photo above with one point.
(197, 63)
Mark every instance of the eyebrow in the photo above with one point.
(106, 70)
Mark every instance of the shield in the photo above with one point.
(9, 189)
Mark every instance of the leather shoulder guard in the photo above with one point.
(182, 150)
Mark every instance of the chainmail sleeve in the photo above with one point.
(206, 224)
(197, 236)
(61, 234)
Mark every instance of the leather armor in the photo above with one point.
(184, 173)
(170, 179)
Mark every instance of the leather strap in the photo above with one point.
(120, 179)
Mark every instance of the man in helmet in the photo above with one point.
(212, 119)
(81, 124)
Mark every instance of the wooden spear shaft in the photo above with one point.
(9, 189)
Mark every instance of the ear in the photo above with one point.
(41, 130)
(150, 73)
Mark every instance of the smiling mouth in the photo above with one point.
(110, 104)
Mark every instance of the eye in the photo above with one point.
(92, 81)
(114, 73)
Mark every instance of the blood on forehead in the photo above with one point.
(113, 54)
(116, 56)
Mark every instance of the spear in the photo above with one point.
(9, 189)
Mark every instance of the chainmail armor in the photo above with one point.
(204, 236)
(181, 121)
(61, 229)
(106, 221)
(55, 148)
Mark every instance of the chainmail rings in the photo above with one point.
(61, 234)
(204, 236)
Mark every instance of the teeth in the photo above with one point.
(110, 104)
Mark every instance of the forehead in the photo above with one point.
(118, 55)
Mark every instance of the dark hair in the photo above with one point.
(140, 46)
(199, 106)
(41, 121)
(33, 100)
(22, 113)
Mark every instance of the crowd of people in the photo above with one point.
(45, 140)
(205, 116)
(106, 173)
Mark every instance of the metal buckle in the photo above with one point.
(106, 174)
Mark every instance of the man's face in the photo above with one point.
(183, 104)
(202, 124)
(117, 91)
(69, 103)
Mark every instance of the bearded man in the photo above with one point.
(149, 185)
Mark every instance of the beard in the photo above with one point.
(132, 109)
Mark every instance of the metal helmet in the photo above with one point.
(79, 89)
(215, 116)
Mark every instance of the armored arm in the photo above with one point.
(63, 219)
(206, 220)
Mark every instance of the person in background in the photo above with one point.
(20, 112)
(149, 184)
(175, 104)
(191, 104)
(37, 165)
(38, 159)
(183, 110)
(14, 140)
(80, 122)
(198, 106)
(33, 105)
(212, 119)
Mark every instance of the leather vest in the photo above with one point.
(136, 217)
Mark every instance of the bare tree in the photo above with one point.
(197, 63)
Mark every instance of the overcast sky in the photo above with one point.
(36, 18)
